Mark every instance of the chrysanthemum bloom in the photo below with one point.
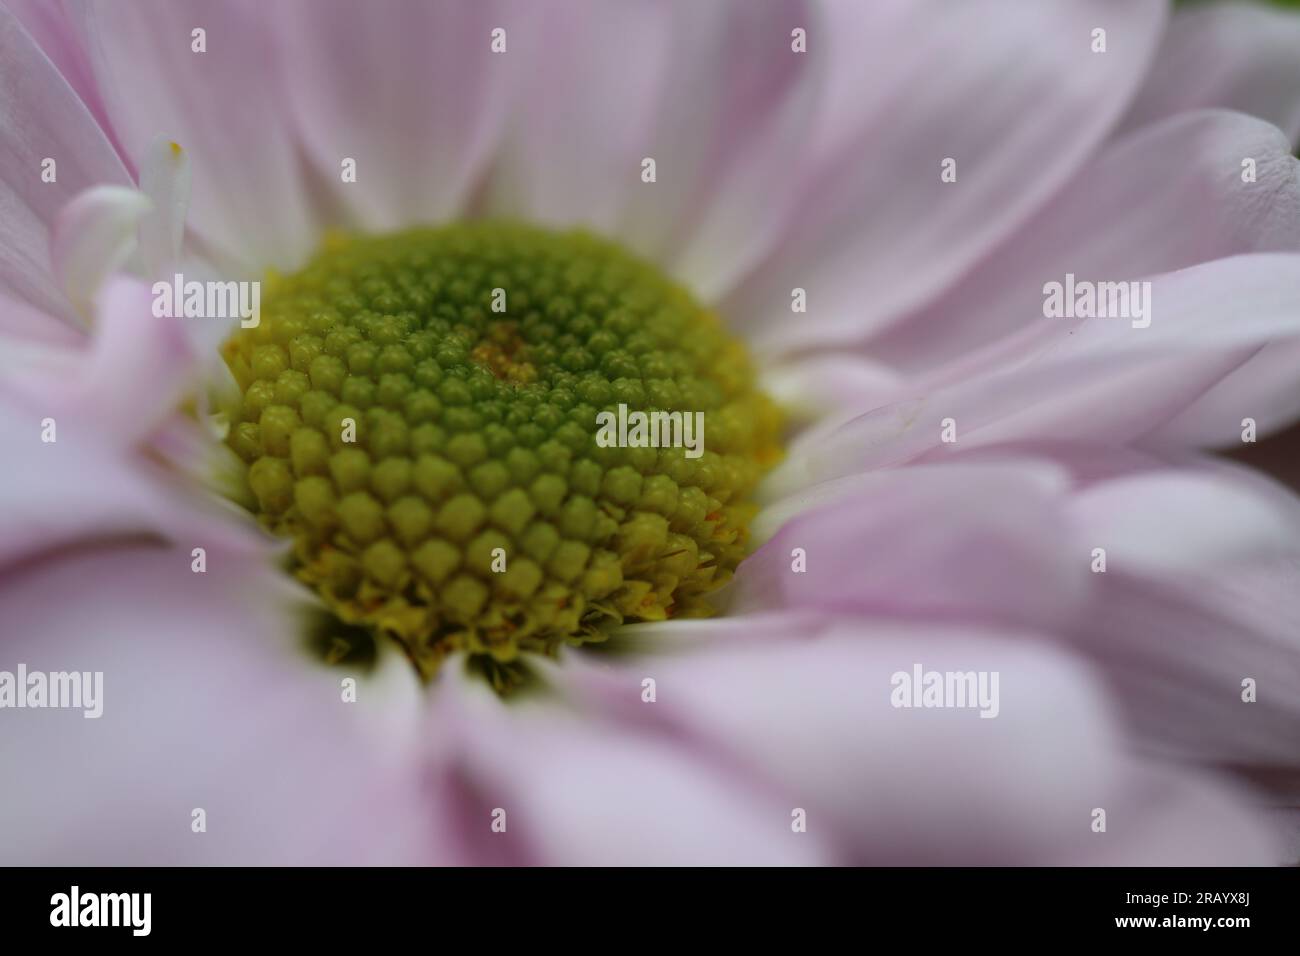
(365, 581)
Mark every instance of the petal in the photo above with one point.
(1165, 197)
(94, 236)
(712, 93)
(822, 387)
(814, 721)
(578, 791)
(878, 233)
(730, 170)
(1175, 522)
(52, 25)
(99, 405)
(1178, 653)
(41, 119)
(46, 503)
(1097, 380)
(1242, 56)
(953, 541)
(23, 325)
(574, 160)
(225, 106)
(1261, 392)
(165, 179)
(141, 365)
(414, 97)
(681, 635)
(228, 719)
(1201, 591)
(1200, 588)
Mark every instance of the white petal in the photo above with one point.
(94, 236)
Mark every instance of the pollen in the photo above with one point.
(419, 412)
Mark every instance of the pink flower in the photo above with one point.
(972, 487)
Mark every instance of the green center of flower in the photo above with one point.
(419, 414)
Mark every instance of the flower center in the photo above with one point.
(421, 413)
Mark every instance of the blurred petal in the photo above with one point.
(878, 233)
(1243, 56)
(205, 705)
(712, 93)
(22, 325)
(1165, 197)
(1092, 380)
(1175, 522)
(812, 721)
(414, 96)
(48, 502)
(165, 179)
(1263, 390)
(94, 236)
(101, 402)
(141, 365)
(225, 106)
(580, 791)
(822, 386)
(1201, 591)
(737, 197)
(1178, 651)
(41, 119)
(51, 23)
(574, 157)
(951, 542)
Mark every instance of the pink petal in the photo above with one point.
(689, 634)
(949, 542)
(206, 705)
(878, 233)
(750, 112)
(51, 23)
(105, 401)
(49, 502)
(141, 366)
(41, 118)
(1175, 522)
(579, 791)
(93, 237)
(1177, 652)
(1162, 198)
(822, 387)
(812, 721)
(226, 107)
(1201, 590)
(1261, 389)
(415, 97)
(713, 93)
(1092, 380)
(1242, 56)
(22, 324)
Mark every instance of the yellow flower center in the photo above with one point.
(421, 413)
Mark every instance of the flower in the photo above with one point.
(961, 469)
